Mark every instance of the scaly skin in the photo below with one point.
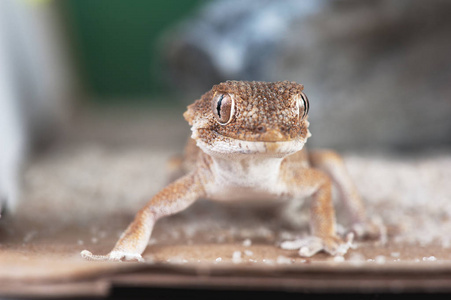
(247, 145)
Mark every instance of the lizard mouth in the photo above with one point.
(214, 142)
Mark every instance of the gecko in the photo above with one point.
(247, 145)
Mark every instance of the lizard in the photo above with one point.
(247, 144)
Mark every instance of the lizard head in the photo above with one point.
(250, 117)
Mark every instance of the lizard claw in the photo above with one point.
(112, 256)
(309, 246)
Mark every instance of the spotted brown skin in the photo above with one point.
(247, 146)
(260, 108)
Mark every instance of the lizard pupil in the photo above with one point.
(306, 105)
(222, 107)
(218, 106)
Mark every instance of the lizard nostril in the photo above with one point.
(261, 129)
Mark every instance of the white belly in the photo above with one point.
(254, 181)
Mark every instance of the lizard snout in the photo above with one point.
(270, 135)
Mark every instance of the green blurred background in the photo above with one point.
(117, 44)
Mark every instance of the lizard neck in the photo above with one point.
(247, 171)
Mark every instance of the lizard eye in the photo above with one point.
(303, 106)
(223, 108)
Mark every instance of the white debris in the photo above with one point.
(380, 259)
(395, 254)
(177, 260)
(268, 261)
(430, 258)
(236, 257)
(248, 252)
(94, 240)
(283, 260)
(80, 242)
(247, 242)
(219, 259)
(339, 258)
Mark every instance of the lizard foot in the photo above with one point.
(112, 256)
(309, 246)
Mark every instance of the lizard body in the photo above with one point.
(247, 144)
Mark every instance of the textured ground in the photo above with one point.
(83, 192)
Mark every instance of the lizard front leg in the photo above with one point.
(172, 199)
(322, 213)
(333, 165)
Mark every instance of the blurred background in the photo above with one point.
(377, 73)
